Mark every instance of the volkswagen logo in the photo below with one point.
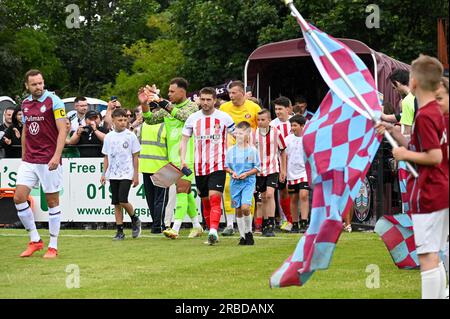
(34, 128)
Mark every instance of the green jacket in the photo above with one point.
(174, 123)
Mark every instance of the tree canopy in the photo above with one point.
(121, 45)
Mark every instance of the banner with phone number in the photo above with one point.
(84, 198)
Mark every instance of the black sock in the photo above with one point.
(134, 218)
(264, 223)
(271, 222)
(119, 228)
(295, 225)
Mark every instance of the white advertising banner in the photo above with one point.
(84, 198)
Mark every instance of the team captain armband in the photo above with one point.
(59, 113)
(59, 110)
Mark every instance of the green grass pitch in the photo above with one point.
(153, 266)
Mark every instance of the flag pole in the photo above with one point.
(370, 112)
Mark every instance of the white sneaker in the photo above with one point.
(286, 226)
(195, 232)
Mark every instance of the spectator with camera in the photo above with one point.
(90, 134)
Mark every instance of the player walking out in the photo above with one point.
(43, 138)
(210, 128)
(174, 114)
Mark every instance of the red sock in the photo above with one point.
(216, 210)
(258, 221)
(286, 206)
(206, 210)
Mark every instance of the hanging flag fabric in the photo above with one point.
(396, 231)
(339, 146)
(403, 176)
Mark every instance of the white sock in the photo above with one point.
(177, 225)
(230, 220)
(54, 224)
(195, 222)
(431, 283)
(248, 223)
(443, 275)
(241, 226)
(213, 231)
(26, 217)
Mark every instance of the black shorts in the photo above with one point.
(282, 185)
(297, 187)
(212, 182)
(258, 197)
(262, 182)
(119, 190)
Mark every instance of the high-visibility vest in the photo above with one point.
(153, 153)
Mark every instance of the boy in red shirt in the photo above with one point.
(429, 192)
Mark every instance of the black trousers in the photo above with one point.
(157, 199)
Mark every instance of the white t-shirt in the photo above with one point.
(295, 161)
(210, 134)
(120, 147)
(75, 122)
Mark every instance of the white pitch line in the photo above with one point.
(142, 236)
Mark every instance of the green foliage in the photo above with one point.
(27, 49)
(155, 62)
(36, 50)
(216, 36)
(91, 55)
(407, 28)
(160, 22)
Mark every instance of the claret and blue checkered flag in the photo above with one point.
(339, 144)
(397, 232)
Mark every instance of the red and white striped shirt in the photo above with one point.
(210, 133)
(283, 127)
(269, 147)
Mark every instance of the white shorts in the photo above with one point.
(31, 174)
(430, 231)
